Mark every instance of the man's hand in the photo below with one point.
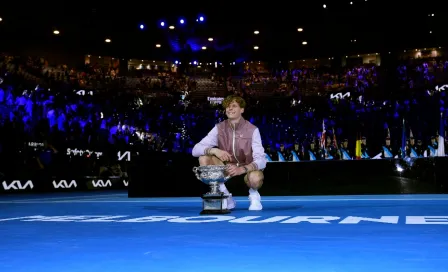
(233, 170)
(224, 156)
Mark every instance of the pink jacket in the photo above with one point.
(243, 142)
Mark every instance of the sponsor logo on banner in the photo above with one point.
(101, 184)
(125, 155)
(80, 152)
(17, 185)
(35, 144)
(125, 183)
(340, 95)
(322, 220)
(62, 184)
(215, 100)
(83, 92)
(442, 88)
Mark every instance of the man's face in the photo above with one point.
(234, 111)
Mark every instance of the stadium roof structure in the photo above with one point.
(285, 30)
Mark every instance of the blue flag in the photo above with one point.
(403, 141)
(441, 141)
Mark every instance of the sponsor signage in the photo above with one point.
(101, 184)
(126, 156)
(121, 155)
(441, 88)
(68, 184)
(83, 92)
(63, 184)
(215, 100)
(17, 185)
(323, 220)
(340, 95)
(80, 152)
(35, 144)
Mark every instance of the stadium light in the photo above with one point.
(56, 32)
(107, 40)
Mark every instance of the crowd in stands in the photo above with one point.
(306, 80)
(47, 110)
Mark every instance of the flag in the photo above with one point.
(294, 156)
(280, 157)
(403, 141)
(441, 140)
(358, 153)
(322, 138)
(335, 143)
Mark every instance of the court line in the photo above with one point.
(72, 197)
(243, 200)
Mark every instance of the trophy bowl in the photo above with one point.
(211, 173)
(214, 202)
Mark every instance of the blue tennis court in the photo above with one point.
(110, 232)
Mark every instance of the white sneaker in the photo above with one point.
(231, 203)
(255, 202)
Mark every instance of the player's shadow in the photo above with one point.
(182, 208)
(270, 208)
(195, 208)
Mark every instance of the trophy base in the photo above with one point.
(214, 204)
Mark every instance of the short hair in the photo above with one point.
(234, 98)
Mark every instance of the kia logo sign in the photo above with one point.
(340, 95)
(64, 185)
(101, 184)
(17, 185)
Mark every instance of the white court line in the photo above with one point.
(69, 197)
(243, 200)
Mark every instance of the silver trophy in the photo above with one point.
(214, 202)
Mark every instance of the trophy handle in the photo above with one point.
(227, 178)
(196, 172)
